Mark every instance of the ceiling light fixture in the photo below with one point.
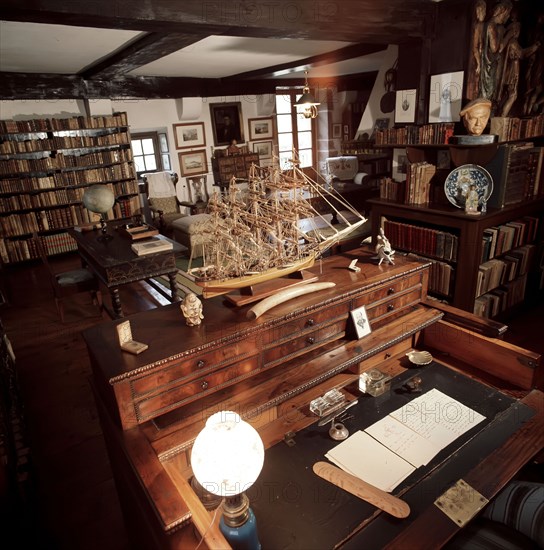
(306, 103)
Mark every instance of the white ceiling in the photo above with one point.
(62, 49)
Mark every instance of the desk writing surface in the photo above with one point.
(296, 509)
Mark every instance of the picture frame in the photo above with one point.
(193, 163)
(189, 135)
(379, 124)
(263, 148)
(336, 131)
(261, 128)
(399, 165)
(405, 106)
(445, 97)
(226, 121)
(360, 322)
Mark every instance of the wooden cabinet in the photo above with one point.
(226, 167)
(416, 223)
(45, 167)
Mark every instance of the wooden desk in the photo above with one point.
(115, 264)
(152, 406)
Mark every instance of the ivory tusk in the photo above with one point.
(283, 296)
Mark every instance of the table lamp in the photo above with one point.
(99, 199)
(227, 458)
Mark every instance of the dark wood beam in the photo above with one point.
(149, 48)
(56, 86)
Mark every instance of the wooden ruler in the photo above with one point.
(386, 502)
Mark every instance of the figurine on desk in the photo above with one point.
(383, 249)
(191, 307)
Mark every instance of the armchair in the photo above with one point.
(162, 199)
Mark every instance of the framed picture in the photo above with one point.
(346, 129)
(445, 96)
(380, 124)
(264, 148)
(189, 135)
(193, 163)
(443, 159)
(399, 165)
(360, 322)
(261, 128)
(405, 106)
(337, 131)
(227, 123)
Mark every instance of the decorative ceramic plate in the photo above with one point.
(459, 181)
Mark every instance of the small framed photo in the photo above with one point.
(445, 96)
(337, 131)
(346, 129)
(399, 165)
(360, 322)
(260, 128)
(263, 148)
(443, 159)
(405, 106)
(189, 135)
(193, 163)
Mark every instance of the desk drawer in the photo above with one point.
(306, 323)
(304, 343)
(394, 305)
(178, 395)
(186, 369)
(389, 290)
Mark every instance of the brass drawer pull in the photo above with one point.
(310, 340)
(200, 364)
(390, 307)
(204, 385)
(391, 290)
(310, 323)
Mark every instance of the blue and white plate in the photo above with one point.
(459, 181)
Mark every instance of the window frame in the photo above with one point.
(154, 136)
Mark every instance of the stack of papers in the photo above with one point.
(151, 246)
(387, 452)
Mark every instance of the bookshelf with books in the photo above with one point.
(458, 245)
(46, 165)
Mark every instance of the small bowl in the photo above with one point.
(419, 357)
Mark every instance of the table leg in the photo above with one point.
(173, 286)
(116, 302)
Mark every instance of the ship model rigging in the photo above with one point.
(255, 235)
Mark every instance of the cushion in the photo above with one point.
(166, 204)
(192, 224)
(342, 168)
(74, 277)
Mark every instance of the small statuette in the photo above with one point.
(353, 267)
(384, 252)
(191, 307)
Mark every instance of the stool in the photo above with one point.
(193, 232)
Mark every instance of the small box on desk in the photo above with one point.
(137, 232)
(151, 246)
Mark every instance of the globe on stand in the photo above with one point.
(99, 199)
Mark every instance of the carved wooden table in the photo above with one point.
(115, 264)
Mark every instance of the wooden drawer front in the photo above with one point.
(394, 305)
(180, 394)
(196, 365)
(302, 344)
(307, 323)
(389, 290)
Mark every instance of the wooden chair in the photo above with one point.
(68, 283)
(164, 209)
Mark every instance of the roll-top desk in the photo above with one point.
(153, 405)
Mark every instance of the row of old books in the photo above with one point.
(500, 239)
(441, 275)
(500, 271)
(518, 174)
(12, 251)
(56, 124)
(501, 299)
(422, 240)
(126, 208)
(512, 128)
(415, 189)
(411, 134)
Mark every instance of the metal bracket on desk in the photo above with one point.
(289, 438)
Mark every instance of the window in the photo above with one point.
(147, 153)
(294, 131)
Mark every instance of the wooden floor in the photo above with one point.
(75, 505)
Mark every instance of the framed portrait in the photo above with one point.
(263, 148)
(336, 131)
(227, 123)
(193, 163)
(405, 106)
(261, 128)
(379, 124)
(399, 165)
(189, 135)
(360, 322)
(445, 96)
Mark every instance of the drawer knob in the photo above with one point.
(310, 323)
(390, 307)
(204, 385)
(200, 364)
(310, 340)
(391, 290)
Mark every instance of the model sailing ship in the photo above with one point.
(259, 237)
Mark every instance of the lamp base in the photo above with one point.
(104, 236)
(243, 537)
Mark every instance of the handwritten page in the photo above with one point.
(392, 448)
